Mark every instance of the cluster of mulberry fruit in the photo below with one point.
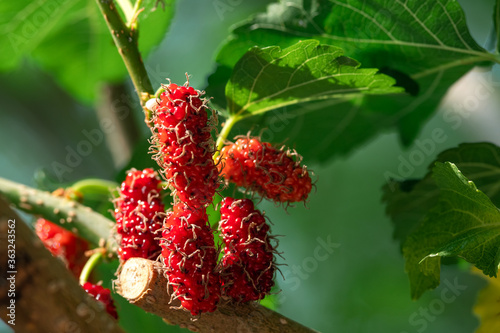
(182, 135)
(185, 153)
(184, 148)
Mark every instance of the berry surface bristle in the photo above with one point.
(247, 268)
(275, 174)
(139, 213)
(190, 258)
(184, 145)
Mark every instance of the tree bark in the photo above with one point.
(143, 283)
(47, 297)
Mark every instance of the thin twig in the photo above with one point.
(226, 129)
(69, 214)
(126, 41)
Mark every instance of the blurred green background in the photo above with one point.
(359, 287)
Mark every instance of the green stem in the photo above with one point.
(224, 133)
(89, 266)
(69, 214)
(94, 186)
(126, 41)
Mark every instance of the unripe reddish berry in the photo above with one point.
(248, 267)
(139, 214)
(63, 244)
(102, 295)
(260, 167)
(190, 259)
(184, 145)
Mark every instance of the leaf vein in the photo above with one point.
(415, 17)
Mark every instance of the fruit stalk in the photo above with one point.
(143, 283)
(69, 214)
(89, 266)
(47, 297)
(224, 133)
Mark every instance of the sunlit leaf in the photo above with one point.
(270, 78)
(425, 45)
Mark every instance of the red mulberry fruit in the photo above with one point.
(248, 267)
(260, 167)
(139, 214)
(63, 244)
(184, 145)
(190, 258)
(102, 295)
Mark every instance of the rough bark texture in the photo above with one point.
(47, 297)
(143, 283)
